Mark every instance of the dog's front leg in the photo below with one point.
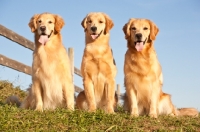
(132, 99)
(89, 93)
(110, 95)
(154, 98)
(37, 91)
(68, 92)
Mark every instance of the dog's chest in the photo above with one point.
(96, 51)
(97, 60)
(97, 54)
(44, 64)
(140, 65)
(141, 70)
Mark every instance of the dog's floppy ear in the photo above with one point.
(59, 23)
(109, 23)
(153, 31)
(32, 24)
(126, 32)
(83, 23)
(126, 28)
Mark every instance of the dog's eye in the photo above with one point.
(133, 28)
(89, 21)
(100, 21)
(50, 22)
(145, 28)
(39, 21)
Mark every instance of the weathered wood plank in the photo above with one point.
(78, 89)
(5, 32)
(5, 61)
(9, 34)
(77, 71)
(71, 58)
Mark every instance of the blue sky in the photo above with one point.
(177, 44)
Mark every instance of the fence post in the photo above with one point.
(118, 92)
(71, 59)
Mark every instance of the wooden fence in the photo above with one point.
(5, 61)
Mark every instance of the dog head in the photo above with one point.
(140, 31)
(96, 24)
(46, 25)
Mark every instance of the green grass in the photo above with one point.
(16, 119)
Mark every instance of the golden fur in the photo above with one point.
(188, 112)
(98, 67)
(52, 84)
(81, 102)
(143, 74)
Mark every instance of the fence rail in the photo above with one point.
(5, 61)
(16, 38)
(13, 64)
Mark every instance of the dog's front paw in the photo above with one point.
(39, 108)
(71, 107)
(134, 112)
(153, 115)
(134, 115)
(153, 112)
(92, 109)
(110, 111)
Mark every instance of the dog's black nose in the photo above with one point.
(94, 28)
(138, 35)
(42, 28)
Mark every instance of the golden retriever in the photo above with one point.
(98, 67)
(143, 74)
(52, 84)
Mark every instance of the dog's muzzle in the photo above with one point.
(44, 38)
(139, 45)
(95, 36)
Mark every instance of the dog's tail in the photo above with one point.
(81, 102)
(175, 112)
(13, 100)
(188, 112)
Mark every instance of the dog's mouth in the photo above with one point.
(95, 36)
(139, 45)
(44, 38)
